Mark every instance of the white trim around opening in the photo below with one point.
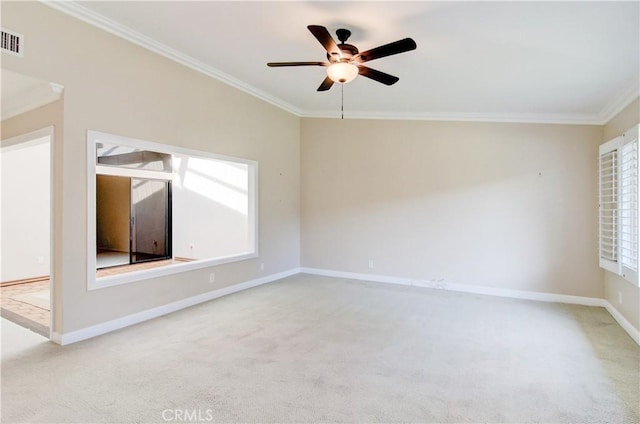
(94, 282)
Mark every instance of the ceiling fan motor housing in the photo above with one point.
(348, 51)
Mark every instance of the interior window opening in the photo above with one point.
(155, 207)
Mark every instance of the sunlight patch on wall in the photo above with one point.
(222, 182)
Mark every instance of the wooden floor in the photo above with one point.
(38, 319)
(22, 313)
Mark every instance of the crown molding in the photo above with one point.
(95, 19)
(618, 103)
(88, 16)
(564, 119)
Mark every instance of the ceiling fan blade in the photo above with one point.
(382, 77)
(396, 47)
(278, 64)
(326, 84)
(327, 41)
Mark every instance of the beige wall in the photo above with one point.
(613, 284)
(502, 205)
(114, 86)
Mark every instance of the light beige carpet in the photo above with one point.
(314, 349)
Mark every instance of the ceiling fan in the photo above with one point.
(345, 62)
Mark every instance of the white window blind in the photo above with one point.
(619, 225)
(608, 206)
(628, 204)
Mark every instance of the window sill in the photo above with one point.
(97, 283)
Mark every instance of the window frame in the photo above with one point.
(94, 282)
(625, 193)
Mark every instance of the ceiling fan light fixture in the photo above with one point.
(345, 61)
(342, 72)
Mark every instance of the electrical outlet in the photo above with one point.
(212, 277)
(620, 298)
(371, 263)
(40, 259)
(191, 246)
(262, 266)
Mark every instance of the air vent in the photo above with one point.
(12, 43)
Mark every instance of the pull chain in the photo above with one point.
(342, 101)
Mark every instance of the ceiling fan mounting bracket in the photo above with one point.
(343, 35)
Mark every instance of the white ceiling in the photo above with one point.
(21, 93)
(575, 62)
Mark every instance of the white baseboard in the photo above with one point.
(490, 291)
(116, 324)
(624, 323)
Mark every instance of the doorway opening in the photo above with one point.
(25, 282)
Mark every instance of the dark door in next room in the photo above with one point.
(150, 220)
